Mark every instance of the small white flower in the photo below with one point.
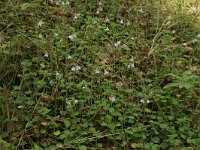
(142, 101)
(122, 21)
(124, 46)
(51, 83)
(105, 72)
(55, 34)
(69, 57)
(58, 75)
(67, 3)
(112, 99)
(72, 36)
(57, 3)
(132, 60)
(184, 44)
(76, 68)
(173, 31)
(46, 55)
(131, 65)
(63, 3)
(106, 29)
(96, 71)
(119, 84)
(40, 36)
(107, 20)
(76, 16)
(99, 10)
(69, 105)
(100, 3)
(193, 68)
(40, 23)
(198, 35)
(140, 10)
(128, 23)
(94, 21)
(117, 43)
(75, 101)
(132, 38)
(194, 41)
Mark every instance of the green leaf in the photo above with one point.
(172, 85)
(82, 147)
(44, 111)
(25, 6)
(188, 85)
(56, 133)
(175, 76)
(67, 123)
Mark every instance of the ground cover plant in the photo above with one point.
(108, 74)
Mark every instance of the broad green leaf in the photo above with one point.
(56, 133)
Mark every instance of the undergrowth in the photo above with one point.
(115, 74)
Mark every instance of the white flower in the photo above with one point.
(198, 35)
(69, 105)
(94, 21)
(105, 72)
(55, 34)
(119, 84)
(51, 83)
(97, 71)
(69, 57)
(67, 3)
(128, 23)
(142, 101)
(141, 10)
(184, 44)
(100, 3)
(112, 99)
(46, 55)
(40, 23)
(106, 29)
(75, 101)
(122, 21)
(117, 43)
(76, 68)
(58, 75)
(57, 3)
(72, 36)
(194, 41)
(131, 65)
(99, 10)
(132, 60)
(107, 20)
(124, 46)
(193, 68)
(132, 38)
(76, 16)
(173, 31)
(40, 36)
(63, 3)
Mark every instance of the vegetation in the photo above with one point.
(109, 74)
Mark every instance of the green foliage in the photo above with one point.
(98, 75)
